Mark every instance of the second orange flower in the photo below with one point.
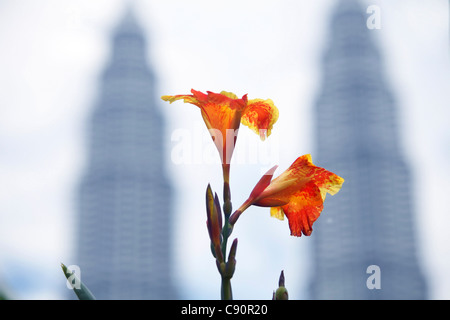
(298, 193)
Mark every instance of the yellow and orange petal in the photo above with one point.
(221, 113)
(219, 110)
(299, 193)
(302, 210)
(186, 97)
(327, 181)
(260, 116)
(301, 172)
(225, 110)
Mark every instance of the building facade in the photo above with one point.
(124, 238)
(364, 243)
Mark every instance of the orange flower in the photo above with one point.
(298, 193)
(223, 112)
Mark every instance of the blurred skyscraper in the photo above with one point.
(364, 243)
(124, 239)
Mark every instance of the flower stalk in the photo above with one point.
(298, 193)
(219, 235)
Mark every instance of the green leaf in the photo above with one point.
(83, 293)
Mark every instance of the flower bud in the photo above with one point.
(281, 293)
(231, 264)
(214, 222)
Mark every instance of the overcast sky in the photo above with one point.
(52, 52)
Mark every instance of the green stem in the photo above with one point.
(225, 235)
(227, 207)
(226, 289)
(226, 293)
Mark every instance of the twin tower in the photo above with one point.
(124, 204)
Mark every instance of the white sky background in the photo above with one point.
(52, 52)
